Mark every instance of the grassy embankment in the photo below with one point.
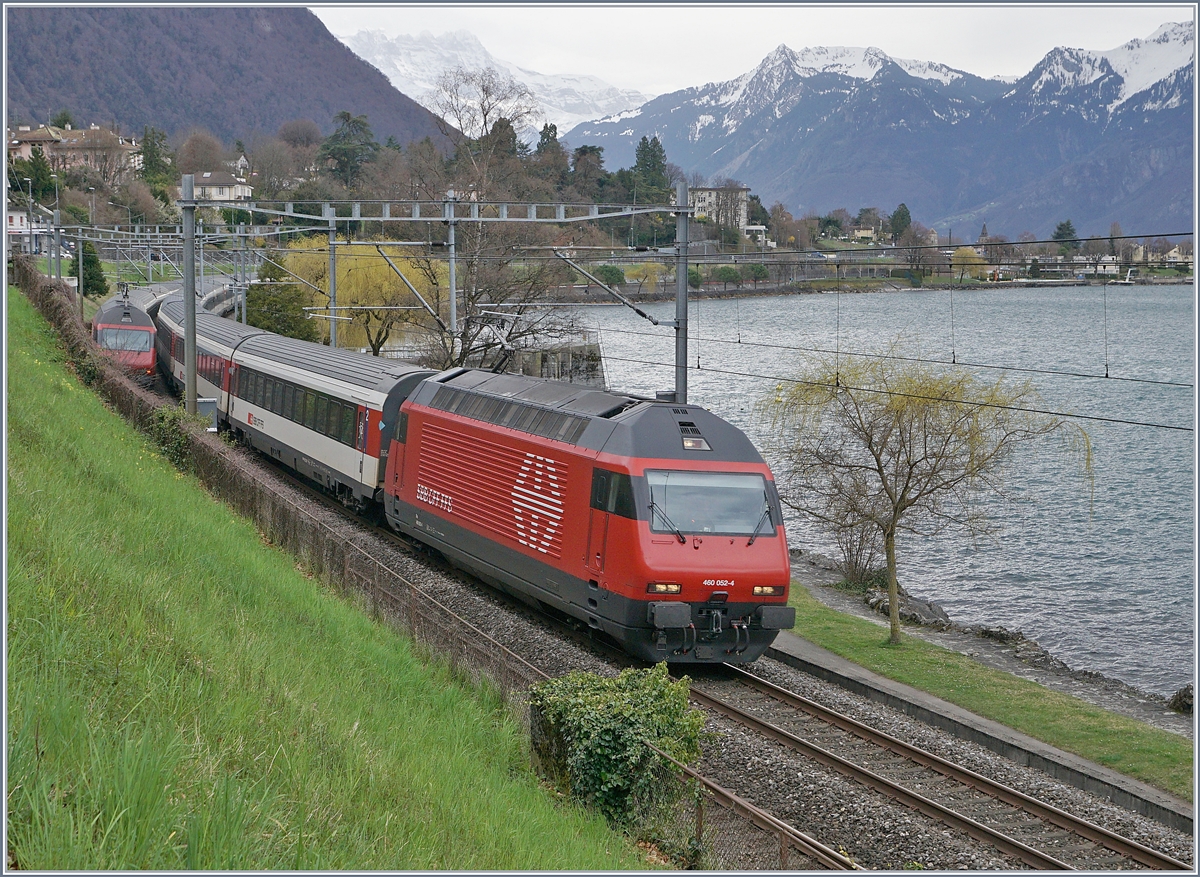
(181, 696)
(1157, 757)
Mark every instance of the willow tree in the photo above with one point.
(882, 445)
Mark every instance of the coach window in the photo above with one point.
(322, 408)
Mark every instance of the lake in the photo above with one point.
(1106, 583)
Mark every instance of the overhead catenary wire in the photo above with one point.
(934, 360)
(785, 379)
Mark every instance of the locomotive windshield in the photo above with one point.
(125, 339)
(721, 503)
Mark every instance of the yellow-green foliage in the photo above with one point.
(364, 279)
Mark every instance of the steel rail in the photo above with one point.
(1026, 854)
(1130, 849)
(814, 849)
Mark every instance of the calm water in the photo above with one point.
(1108, 587)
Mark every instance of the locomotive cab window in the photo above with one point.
(132, 340)
(720, 503)
(613, 492)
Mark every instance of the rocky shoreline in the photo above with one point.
(997, 647)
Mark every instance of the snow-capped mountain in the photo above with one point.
(1082, 135)
(414, 63)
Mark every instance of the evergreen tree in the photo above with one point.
(156, 157)
(900, 221)
(348, 148)
(278, 306)
(94, 283)
(650, 170)
(1065, 234)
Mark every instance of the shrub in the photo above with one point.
(170, 432)
(590, 735)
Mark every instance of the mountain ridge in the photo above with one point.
(835, 127)
(230, 70)
(413, 63)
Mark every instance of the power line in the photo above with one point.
(778, 378)
(740, 343)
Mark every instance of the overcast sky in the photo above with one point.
(666, 47)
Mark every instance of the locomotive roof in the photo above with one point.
(117, 312)
(140, 302)
(615, 423)
(569, 398)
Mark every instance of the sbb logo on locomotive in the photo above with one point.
(537, 498)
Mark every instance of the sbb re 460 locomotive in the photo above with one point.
(656, 523)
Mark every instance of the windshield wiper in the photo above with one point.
(766, 515)
(655, 508)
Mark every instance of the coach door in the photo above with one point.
(360, 442)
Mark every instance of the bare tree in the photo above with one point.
(273, 167)
(896, 445)
(299, 133)
(201, 151)
(470, 104)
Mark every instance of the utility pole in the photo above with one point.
(330, 212)
(681, 292)
(29, 214)
(245, 286)
(57, 245)
(448, 212)
(188, 202)
(79, 271)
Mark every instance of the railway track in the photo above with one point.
(1037, 834)
(793, 848)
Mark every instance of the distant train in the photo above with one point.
(658, 524)
(124, 329)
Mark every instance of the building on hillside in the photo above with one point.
(758, 234)
(109, 154)
(727, 205)
(221, 186)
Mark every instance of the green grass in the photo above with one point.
(181, 696)
(1157, 757)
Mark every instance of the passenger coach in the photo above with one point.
(318, 410)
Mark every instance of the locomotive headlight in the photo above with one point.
(768, 590)
(663, 588)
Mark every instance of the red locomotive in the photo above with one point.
(658, 524)
(124, 329)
